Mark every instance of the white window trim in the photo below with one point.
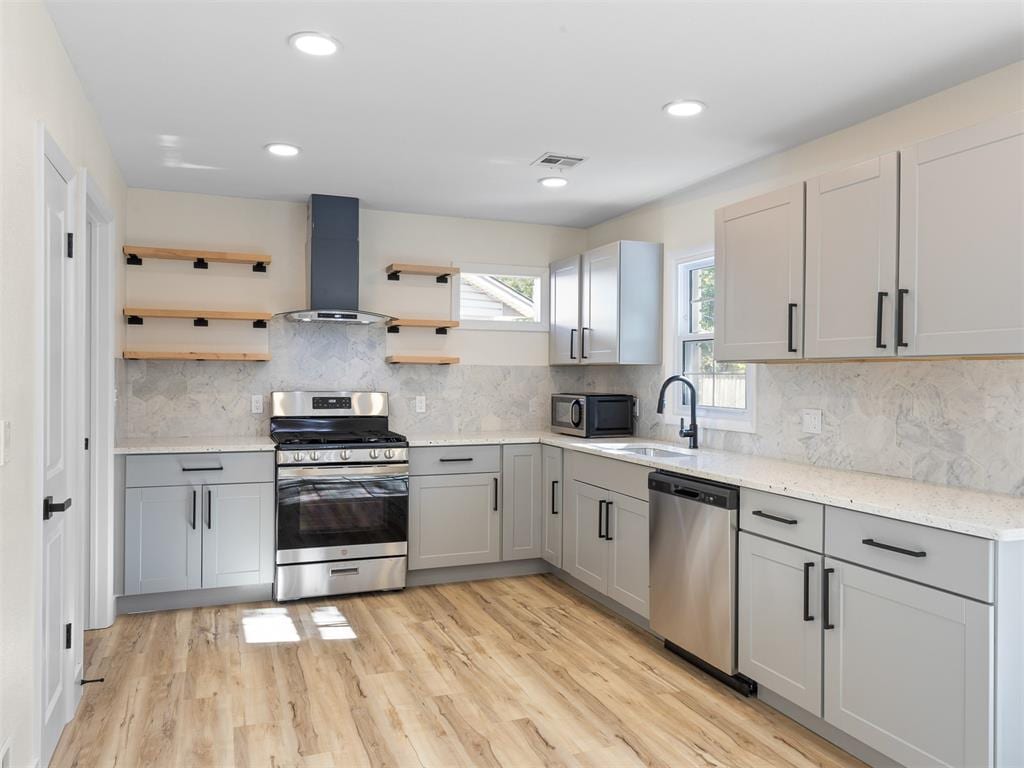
(496, 325)
(708, 417)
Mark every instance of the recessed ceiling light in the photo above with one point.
(686, 108)
(553, 182)
(282, 150)
(314, 43)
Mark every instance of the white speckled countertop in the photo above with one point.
(194, 445)
(976, 513)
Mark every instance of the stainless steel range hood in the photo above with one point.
(332, 264)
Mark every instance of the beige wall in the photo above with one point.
(37, 85)
(279, 228)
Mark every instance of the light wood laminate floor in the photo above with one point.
(512, 672)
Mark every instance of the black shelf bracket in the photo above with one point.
(393, 329)
(134, 260)
(134, 320)
(200, 264)
(395, 276)
(259, 266)
(443, 278)
(200, 322)
(441, 331)
(259, 323)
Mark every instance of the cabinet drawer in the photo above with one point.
(793, 521)
(154, 470)
(612, 474)
(455, 460)
(943, 559)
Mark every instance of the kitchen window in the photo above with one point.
(725, 391)
(501, 298)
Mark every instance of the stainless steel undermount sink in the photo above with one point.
(652, 451)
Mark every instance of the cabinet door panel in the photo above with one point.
(777, 647)
(629, 571)
(600, 340)
(553, 496)
(238, 535)
(759, 272)
(521, 509)
(564, 339)
(852, 234)
(585, 554)
(908, 669)
(962, 243)
(454, 520)
(162, 550)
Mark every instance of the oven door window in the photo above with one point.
(333, 512)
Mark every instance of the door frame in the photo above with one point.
(99, 461)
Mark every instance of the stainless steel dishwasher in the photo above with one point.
(693, 572)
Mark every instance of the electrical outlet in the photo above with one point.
(5, 441)
(257, 403)
(810, 420)
(421, 403)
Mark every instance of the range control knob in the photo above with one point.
(374, 453)
(389, 454)
(346, 455)
(314, 456)
(300, 456)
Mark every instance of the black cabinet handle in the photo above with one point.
(554, 485)
(807, 592)
(448, 461)
(600, 519)
(495, 508)
(50, 508)
(608, 521)
(776, 518)
(209, 510)
(891, 548)
(878, 320)
(194, 495)
(583, 342)
(825, 599)
(789, 333)
(899, 317)
(572, 343)
(202, 469)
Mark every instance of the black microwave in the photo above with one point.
(596, 415)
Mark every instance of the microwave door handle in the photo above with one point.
(576, 413)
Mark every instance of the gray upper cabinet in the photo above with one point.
(238, 535)
(454, 520)
(852, 240)
(522, 503)
(908, 668)
(606, 306)
(162, 539)
(759, 277)
(962, 242)
(552, 493)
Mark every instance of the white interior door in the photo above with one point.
(58, 596)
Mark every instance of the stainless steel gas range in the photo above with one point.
(342, 494)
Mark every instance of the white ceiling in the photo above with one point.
(440, 107)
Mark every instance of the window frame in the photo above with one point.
(504, 270)
(710, 417)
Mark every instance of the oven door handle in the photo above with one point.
(378, 472)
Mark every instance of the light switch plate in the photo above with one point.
(257, 403)
(5, 441)
(810, 421)
(421, 403)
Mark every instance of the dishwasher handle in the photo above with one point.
(691, 489)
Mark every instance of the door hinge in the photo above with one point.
(87, 443)
(67, 636)
(71, 245)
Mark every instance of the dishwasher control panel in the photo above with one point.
(700, 491)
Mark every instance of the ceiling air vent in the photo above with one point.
(551, 160)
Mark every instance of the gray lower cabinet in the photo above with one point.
(522, 535)
(454, 520)
(183, 537)
(908, 668)
(585, 552)
(553, 501)
(779, 620)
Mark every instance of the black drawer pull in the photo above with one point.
(790, 346)
(495, 495)
(600, 519)
(572, 343)
(450, 461)
(891, 548)
(878, 321)
(776, 518)
(202, 469)
(900, 295)
(826, 624)
(807, 592)
(194, 494)
(554, 489)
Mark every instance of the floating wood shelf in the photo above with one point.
(440, 326)
(138, 354)
(199, 317)
(441, 274)
(200, 259)
(421, 360)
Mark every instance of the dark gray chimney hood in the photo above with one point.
(332, 264)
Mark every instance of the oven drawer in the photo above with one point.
(340, 577)
(153, 470)
(454, 460)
